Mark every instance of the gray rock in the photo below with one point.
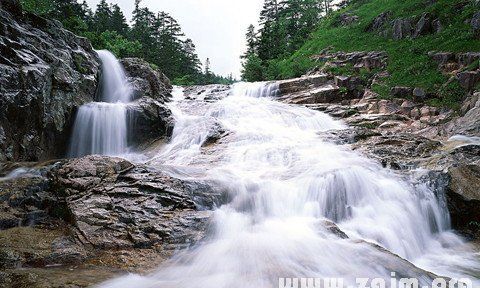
(350, 83)
(464, 198)
(379, 22)
(437, 26)
(115, 204)
(346, 19)
(442, 57)
(401, 92)
(46, 73)
(424, 25)
(419, 94)
(147, 81)
(402, 28)
(465, 59)
(468, 79)
(148, 121)
(475, 22)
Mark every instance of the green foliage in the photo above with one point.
(408, 63)
(40, 7)
(252, 68)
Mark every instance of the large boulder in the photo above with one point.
(109, 203)
(46, 73)
(147, 81)
(148, 121)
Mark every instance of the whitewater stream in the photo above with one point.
(287, 185)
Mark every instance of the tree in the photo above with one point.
(252, 69)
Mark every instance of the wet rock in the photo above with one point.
(147, 81)
(215, 134)
(115, 204)
(464, 198)
(301, 84)
(399, 151)
(46, 73)
(148, 121)
(209, 93)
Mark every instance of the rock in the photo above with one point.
(115, 204)
(46, 73)
(465, 59)
(424, 25)
(469, 124)
(419, 94)
(442, 58)
(401, 92)
(387, 107)
(475, 23)
(379, 22)
(398, 150)
(209, 93)
(215, 135)
(147, 81)
(148, 121)
(464, 198)
(346, 19)
(350, 83)
(402, 28)
(301, 84)
(437, 26)
(468, 79)
(415, 113)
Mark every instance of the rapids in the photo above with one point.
(285, 183)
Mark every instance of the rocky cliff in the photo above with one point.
(46, 73)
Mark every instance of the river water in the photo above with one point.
(287, 185)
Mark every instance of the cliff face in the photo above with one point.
(46, 73)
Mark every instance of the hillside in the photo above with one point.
(408, 31)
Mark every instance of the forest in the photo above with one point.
(155, 37)
(285, 25)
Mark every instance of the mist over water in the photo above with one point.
(287, 186)
(101, 127)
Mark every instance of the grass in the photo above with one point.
(408, 64)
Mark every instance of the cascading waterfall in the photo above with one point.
(101, 127)
(285, 183)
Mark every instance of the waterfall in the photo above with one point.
(285, 183)
(101, 127)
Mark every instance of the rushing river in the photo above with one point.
(286, 184)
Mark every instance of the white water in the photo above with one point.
(285, 181)
(101, 127)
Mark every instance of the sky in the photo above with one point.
(217, 27)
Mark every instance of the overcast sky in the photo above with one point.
(217, 27)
